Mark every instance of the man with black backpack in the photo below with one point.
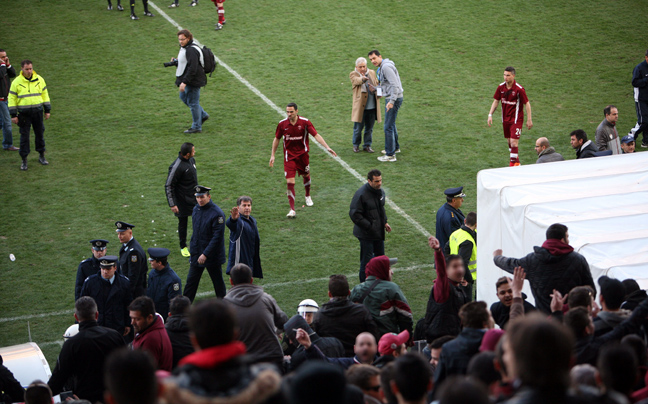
(190, 77)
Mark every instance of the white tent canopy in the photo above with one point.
(603, 201)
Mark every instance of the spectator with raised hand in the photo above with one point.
(365, 350)
(501, 310)
(331, 347)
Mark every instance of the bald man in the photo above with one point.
(546, 153)
(365, 350)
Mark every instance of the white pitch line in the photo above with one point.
(206, 294)
(281, 112)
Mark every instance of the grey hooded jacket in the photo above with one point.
(390, 81)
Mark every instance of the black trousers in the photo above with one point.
(642, 121)
(183, 222)
(195, 273)
(368, 250)
(26, 121)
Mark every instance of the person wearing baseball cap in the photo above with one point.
(394, 345)
(628, 144)
(89, 266)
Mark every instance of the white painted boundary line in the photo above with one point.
(206, 294)
(281, 112)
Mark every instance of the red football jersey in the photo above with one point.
(512, 101)
(295, 137)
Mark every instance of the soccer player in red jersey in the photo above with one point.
(221, 13)
(295, 130)
(513, 97)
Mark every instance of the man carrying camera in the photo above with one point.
(190, 76)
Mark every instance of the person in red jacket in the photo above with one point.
(150, 334)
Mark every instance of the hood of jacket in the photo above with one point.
(378, 267)
(552, 249)
(177, 323)
(612, 319)
(244, 295)
(548, 150)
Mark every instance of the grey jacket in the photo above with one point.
(606, 321)
(607, 138)
(549, 155)
(259, 318)
(390, 81)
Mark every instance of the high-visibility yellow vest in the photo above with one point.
(456, 239)
(26, 94)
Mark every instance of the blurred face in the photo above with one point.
(139, 322)
(27, 70)
(613, 117)
(3, 57)
(375, 59)
(575, 143)
(456, 270)
(365, 348)
(505, 294)
(183, 40)
(628, 147)
(509, 77)
(361, 68)
(375, 390)
(292, 113)
(124, 236)
(245, 208)
(99, 253)
(375, 182)
(109, 272)
(203, 199)
(435, 354)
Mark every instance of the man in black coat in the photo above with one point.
(367, 212)
(190, 76)
(11, 391)
(80, 364)
(584, 148)
(179, 188)
(112, 293)
(501, 310)
(132, 259)
(331, 347)
(341, 318)
(177, 327)
(7, 72)
(555, 265)
(90, 266)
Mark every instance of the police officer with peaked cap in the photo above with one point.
(163, 283)
(449, 217)
(112, 292)
(132, 259)
(89, 266)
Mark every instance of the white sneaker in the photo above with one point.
(292, 213)
(384, 152)
(309, 201)
(387, 158)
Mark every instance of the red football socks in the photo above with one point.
(515, 159)
(307, 184)
(291, 196)
(221, 14)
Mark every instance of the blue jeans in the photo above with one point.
(391, 134)
(191, 97)
(368, 120)
(5, 124)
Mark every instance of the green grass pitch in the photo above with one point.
(117, 124)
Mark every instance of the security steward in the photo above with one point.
(207, 244)
(463, 242)
(449, 217)
(112, 293)
(132, 259)
(90, 266)
(80, 365)
(163, 283)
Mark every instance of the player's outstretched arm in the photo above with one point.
(275, 144)
(321, 141)
(527, 106)
(490, 112)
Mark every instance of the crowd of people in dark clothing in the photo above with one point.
(576, 345)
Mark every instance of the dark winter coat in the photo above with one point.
(163, 286)
(177, 327)
(448, 220)
(331, 347)
(11, 390)
(244, 244)
(367, 212)
(6, 74)
(208, 234)
(112, 300)
(134, 265)
(87, 268)
(456, 354)
(587, 150)
(180, 185)
(194, 74)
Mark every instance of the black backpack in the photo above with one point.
(209, 58)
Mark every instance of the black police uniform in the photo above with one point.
(163, 284)
(112, 299)
(88, 267)
(80, 365)
(132, 262)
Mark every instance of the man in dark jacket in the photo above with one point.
(611, 298)
(221, 367)
(584, 148)
(7, 72)
(164, 283)
(555, 265)
(179, 187)
(150, 334)
(89, 266)
(341, 318)
(132, 259)
(190, 76)
(177, 326)
(331, 347)
(457, 353)
(244, 240)
(207, 244)
(80, 365)
(367, 212)
(501, 310)
(11, 391)
(640, 84)
(111, 291)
